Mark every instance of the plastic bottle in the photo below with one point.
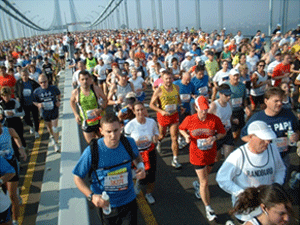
(289, 134)
(295, 177)
(106, 210)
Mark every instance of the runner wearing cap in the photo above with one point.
(222, 108)
(188, 62)
(202, 130)
(255, 163)
(238, 102)
(166, 101)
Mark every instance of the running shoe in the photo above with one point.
(150, 198)
(15, 222)
(196, 186)
(176, 164)
(229, 222)
(211, 215)
(36, 135)
(56, 147)
(158, 147)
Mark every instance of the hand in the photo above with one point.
(164, 113)
(9, 113)
(57, 104)
(182, 110)
(210, 140)
(155, 139)
(236, 121)
(40, 105)
(140, 173)
(78, 119)
(187, 139)
(23, 153)
(98, 201)
(294, 137)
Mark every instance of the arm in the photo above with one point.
(292, 69)
(154, 101)
(96, 199)
(140, 172)
(110, 96)
(18, 141)
(73, 102)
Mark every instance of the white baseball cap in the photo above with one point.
(234, 72)
(261, 130)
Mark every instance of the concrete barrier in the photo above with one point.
(73, 207)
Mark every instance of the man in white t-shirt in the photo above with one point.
(108, 58)
(273, 64)
(252, 59)
(238, 38)
(188, 62)
(151, 64)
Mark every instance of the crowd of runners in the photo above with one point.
(209, 90)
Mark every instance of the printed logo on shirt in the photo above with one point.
(260, 172)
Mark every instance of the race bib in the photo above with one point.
(116, 180)
(143, 142)
(48, 105)
(203, 145)
(139, 73)
(203, 90)
(185, 97)
(236, 102)
(170, 108)
(281, 143)
(26, 92)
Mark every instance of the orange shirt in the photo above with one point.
(280, 70)
(9, 81)
(199, 131)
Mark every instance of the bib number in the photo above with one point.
(281, 143)
(203, 145)
(170, 108)
(185, 97)
(116, 181)
(236, 102)
(48, 105)
(203, 90)
(26, 92)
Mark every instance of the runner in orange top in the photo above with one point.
(167, 97)
(282, 71)
(7, 80)
(202, 130)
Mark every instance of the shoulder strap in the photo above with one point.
(93, 90)
(127, 146)
(78, 94)
(243, 159)
(94, 154)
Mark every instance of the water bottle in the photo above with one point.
(295, 177)
(289, 134)
(106, 210)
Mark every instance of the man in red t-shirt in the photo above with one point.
(202, 130)
(7, 80)
(282, 71)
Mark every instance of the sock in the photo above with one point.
(175, 158)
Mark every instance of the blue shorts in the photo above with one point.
(49, 115)
(5, 216)
(142, 97)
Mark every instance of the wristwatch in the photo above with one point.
(89, 198)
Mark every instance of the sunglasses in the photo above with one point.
(261, 65)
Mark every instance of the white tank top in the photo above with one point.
(224, 113)
(254, 221)
(256, 170)
(261, 90)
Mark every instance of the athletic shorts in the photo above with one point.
(257, 100)
(227, 140)
(14, 163)
(65, 48)
(49, 115)
(240, 115)
(198, 167)
(150, 173)
(101, 81)
(62, 57)
(165, 121)
(125, 214)
(5, 216)
(90, 129)
(142, 97)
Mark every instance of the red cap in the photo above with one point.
(115, 64)
(202, 103)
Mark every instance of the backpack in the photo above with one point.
(95, 155)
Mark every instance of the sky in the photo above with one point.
(245, 15)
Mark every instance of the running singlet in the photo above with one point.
(88, 104)
(90, 63)
(6, 150)
(169, 100)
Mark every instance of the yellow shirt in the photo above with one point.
(169, 100)
(211, 67)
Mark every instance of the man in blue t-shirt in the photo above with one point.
(113, 174)
(200, 82)
(47, 99)
(279, 119)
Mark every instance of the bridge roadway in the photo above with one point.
(50, 197)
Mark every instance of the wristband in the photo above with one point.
(140, 165)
